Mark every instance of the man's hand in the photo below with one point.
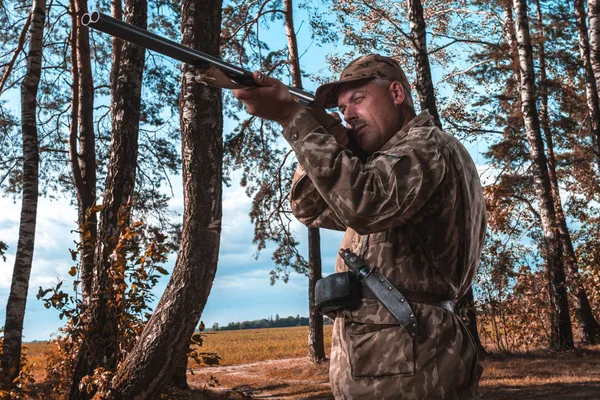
(270, 100)
(338, 131)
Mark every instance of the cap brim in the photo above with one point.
(327, 94)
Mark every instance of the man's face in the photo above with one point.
(372, 109)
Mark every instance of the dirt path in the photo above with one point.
(290, 378)
(564, 376)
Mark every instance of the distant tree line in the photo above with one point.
(277, 322)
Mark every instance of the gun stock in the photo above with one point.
(221, 73)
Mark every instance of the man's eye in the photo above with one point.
(358, 99)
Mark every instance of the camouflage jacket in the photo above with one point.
(415, 210)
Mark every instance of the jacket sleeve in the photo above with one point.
(306, 202)
(372, 197)
(308, 205)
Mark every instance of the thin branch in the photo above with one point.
(457, 40)
(464, 71)
(18, 50)
(392, 22)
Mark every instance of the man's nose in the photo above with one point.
(349, 113)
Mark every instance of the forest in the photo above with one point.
(105, 123)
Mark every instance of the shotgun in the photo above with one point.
(215, 71)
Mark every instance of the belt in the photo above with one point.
(431, 299)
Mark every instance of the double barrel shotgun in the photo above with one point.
(214, 71)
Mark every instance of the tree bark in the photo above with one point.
(82, 142)
(467, 310)
(316, 346)
(167, 334)
(116, 11)
(561, 331)
(419, 44)
(594, 19)
(17, 299)
(591, 88)
(100, 343)
(590, 329)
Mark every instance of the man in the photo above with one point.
(414, 209)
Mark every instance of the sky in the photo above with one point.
(241, 289)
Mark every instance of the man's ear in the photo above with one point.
(397, 91)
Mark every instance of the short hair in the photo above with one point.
(408, 96)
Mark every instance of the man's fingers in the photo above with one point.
(264, 79)
(336, 116)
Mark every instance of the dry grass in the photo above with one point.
(272, 363)
(543, 376)
(36, 353)
(252, 345)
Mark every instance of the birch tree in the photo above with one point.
(17, 300)
(561, 331)
(594, 33)
(591, 85)
(590, 329)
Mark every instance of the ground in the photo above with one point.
(565, 376)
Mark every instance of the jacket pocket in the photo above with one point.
(379, 350)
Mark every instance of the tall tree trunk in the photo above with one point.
(316, 346)
(167, 334)
(594, 19)
(419, 44)
(100, 347)
(17, 299)
(428, 102)
(116, 11)
(82, 142)
(468, 312)
(590, 329)
(591, 88)
(561, 331)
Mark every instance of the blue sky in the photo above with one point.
(241, 290)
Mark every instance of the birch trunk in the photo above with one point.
(167, 334)
(594, 19)
(590, 329)
(100, 346)
(591, 88)
(82, 142)
(316, 346)
(561, 331)
(17, 299)
(423, 70)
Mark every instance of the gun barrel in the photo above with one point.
(169, 48)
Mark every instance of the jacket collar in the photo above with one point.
(422, 119)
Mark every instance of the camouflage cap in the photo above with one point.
(365, 67)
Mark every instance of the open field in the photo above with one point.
(271, 363)
(252, 345)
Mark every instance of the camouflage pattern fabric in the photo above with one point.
(415, 210)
